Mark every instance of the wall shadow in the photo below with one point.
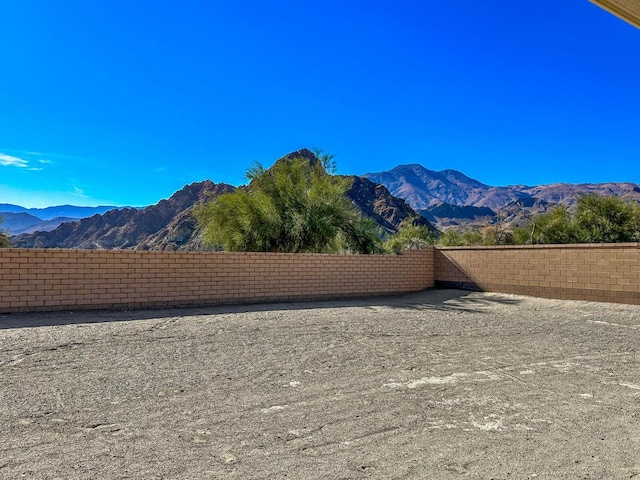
(430, 299)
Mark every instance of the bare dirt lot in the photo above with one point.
(436, 385)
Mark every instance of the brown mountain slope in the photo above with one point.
(374, 201)
(130, 228)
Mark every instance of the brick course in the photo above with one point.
(57, 279)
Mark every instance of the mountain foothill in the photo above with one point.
(439, 199)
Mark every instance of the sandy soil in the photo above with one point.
(441, 384)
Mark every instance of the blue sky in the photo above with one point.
(124, 102)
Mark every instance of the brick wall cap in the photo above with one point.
(543, 246)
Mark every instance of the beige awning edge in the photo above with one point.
(628, 10)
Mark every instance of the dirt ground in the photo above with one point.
(436, 385)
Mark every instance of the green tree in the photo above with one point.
(454, 238)
(295, 206)
(597, 219)
(523, 235)
(635, 222)
(606, 220)
(554, 226)
(4, 238)
(327, 160)
(409, 237)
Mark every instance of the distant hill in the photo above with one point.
(130, 228)
(445, 215)
(435, 194)
(567, 194)
(16, 219)
(169, 225)
(23, 222)
(17, 222)
(423, 188)
(49, 213)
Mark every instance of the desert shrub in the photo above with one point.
(409, 237)
(454, 238)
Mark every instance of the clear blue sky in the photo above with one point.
(124, 102)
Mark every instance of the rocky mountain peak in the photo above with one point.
(446, 197)
(302, 153)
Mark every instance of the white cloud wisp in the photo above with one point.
(11, 161)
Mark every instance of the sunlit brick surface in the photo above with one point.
(56, 279)
(52, 279)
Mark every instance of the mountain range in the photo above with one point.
(170, 225)
(449, 197)
(49, 213)
(16, 219)
(442, 198)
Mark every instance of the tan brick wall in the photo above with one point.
(52, 279)
(606, 273)
(56, 279)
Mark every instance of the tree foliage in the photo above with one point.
(597, 219)
(554, 226)
(453, 237)
(606, 220)
(327, 160)
(409, 237)
(4, 238)
(295, 206)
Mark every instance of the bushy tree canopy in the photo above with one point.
(453, 237)
(295, 206)
(554, 226)
(4, 238)
(597, 220)
(606, 220)
(409, 237)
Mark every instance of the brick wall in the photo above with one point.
(607, 273)
(53, 279)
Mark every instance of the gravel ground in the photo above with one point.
(436, 385)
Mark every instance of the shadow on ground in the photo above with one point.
(431, 299)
